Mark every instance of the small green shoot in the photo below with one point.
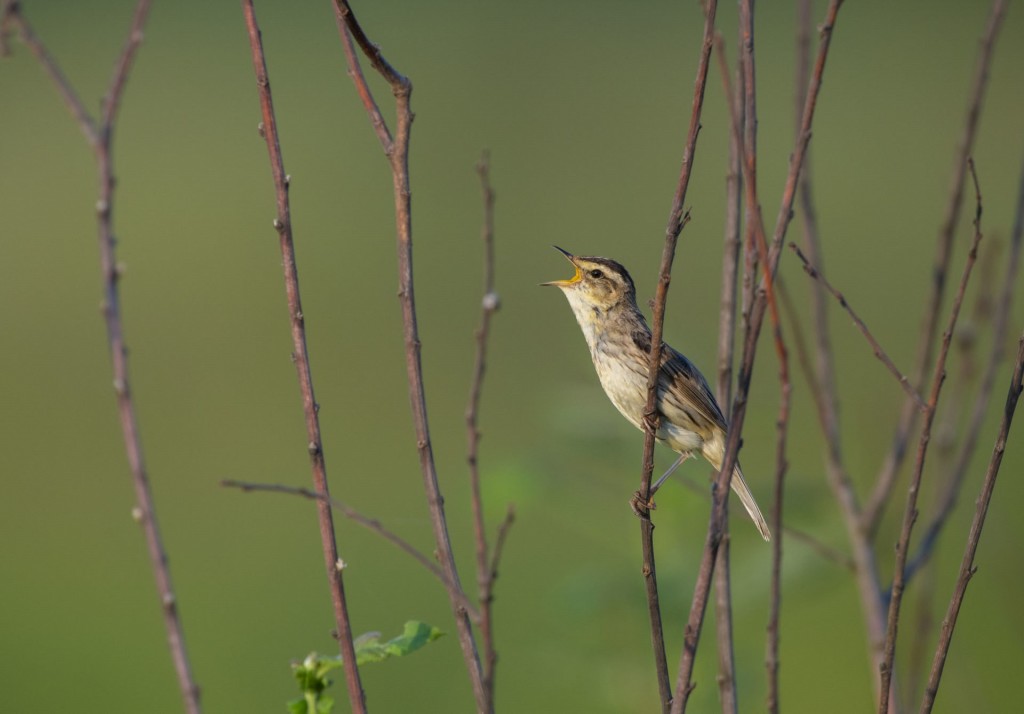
(312, 673)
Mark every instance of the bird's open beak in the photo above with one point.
(571, 281)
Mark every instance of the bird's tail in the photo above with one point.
(713, 451)
(747, 498)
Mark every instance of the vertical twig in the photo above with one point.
(677, 219)
(283, 225)
(726, 349)
(910, 513)
(100, 137)
(967, 567)
(875, 506)
(825, 392)
(1000, 328)
(396, 149)
(755, 236)
(758, 309)
(484, 573)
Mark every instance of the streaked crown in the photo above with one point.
(598, 283)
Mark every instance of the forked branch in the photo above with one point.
(99, 134)
(396, 149)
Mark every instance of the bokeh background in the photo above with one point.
(583, 106)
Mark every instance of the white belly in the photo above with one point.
(627, 390)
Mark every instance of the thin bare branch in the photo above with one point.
(371, 524)
(822, 379)
(500, 539)
(875, 506)
(355, 71)
(880, 353)
(484, 574)
(967, 567)
(746, 107)
(910, 514)
(678, 217)
(397, 152)
(100, 138)
(283, 225)
(13, 16)
(1001, 322)
(726, 348)
(112, 99)
(758, 309)
(825, 551)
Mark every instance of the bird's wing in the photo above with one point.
(683, 388)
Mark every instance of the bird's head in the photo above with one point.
(598, 286)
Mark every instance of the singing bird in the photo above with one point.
(603, 298)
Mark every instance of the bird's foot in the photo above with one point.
(642, 508)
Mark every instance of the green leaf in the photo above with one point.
(312, 672)
(416, 634)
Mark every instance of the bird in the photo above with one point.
(690, 422)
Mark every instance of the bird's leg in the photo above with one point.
(636, 502)
(671, 469)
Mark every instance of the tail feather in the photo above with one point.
(741, 489)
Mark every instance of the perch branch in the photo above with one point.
(677, 219)
(702, 586)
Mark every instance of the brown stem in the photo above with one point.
(1000, 328)
(13, 16)
(484, 573)
(677, 219)
(875, 506)
(100, 138)
(282, 223)
(758, 309)
(822, 379)
(880, 353)
(726, 348)
(967, 567)
(755, 236)
(371, 524)
(396, 150)
(910, 513)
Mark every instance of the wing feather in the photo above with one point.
(683, 390)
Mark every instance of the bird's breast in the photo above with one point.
(624, 379)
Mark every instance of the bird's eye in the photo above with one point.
(596, 274)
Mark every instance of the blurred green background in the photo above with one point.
(583, 106)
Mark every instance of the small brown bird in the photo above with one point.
(603, 298)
